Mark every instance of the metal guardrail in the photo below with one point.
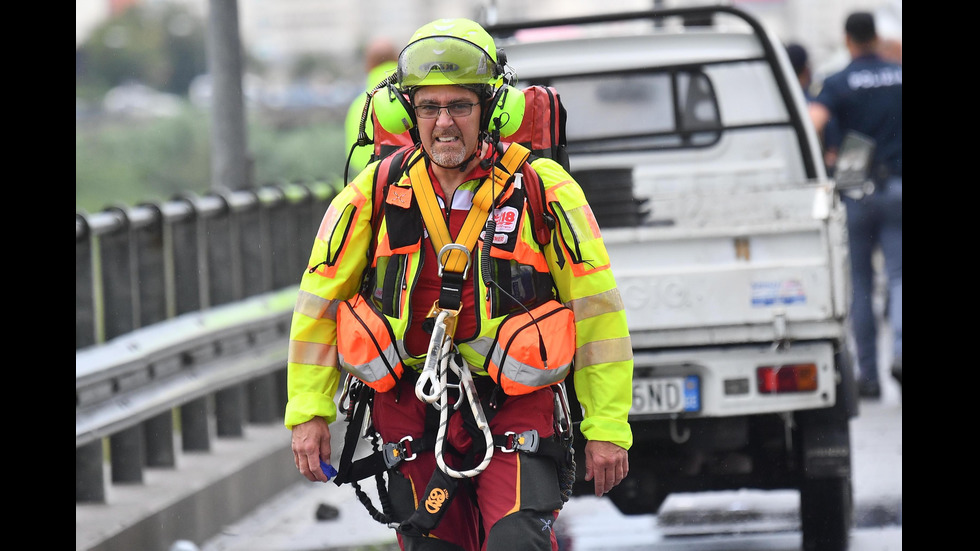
(182, 314)
(152, 370)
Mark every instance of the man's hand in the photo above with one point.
(311, 443)
(605, 462)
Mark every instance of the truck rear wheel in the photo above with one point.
(826, 513)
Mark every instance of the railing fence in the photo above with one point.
(181, 318)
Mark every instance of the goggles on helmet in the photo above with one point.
(445, 60)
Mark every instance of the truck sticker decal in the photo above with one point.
(769, 293)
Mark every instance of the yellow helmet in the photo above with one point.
(449, 51)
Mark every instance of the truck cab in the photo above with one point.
(689, 133)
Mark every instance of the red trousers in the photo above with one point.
(496, 493)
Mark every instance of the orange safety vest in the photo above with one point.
(531, 347)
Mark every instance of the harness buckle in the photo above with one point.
(395, 452)
(526, 441)
(449, 248)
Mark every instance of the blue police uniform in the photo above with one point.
(866, 97)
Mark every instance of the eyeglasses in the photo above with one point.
(459, 109)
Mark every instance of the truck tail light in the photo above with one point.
(775, 379)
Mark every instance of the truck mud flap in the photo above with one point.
(826, 447)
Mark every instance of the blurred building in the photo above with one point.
(277, 32)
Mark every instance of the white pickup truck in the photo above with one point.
(688, 131)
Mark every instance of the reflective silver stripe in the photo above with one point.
(313, 353)
(605, 351)
(596, 305)
(404, 352)
(528, 375)
(375, 370)
(316, 307)
(481, 345)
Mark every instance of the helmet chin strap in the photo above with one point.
(466, 162)
(485, 138)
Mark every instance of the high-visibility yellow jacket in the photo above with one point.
(576, 259)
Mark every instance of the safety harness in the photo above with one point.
(444, 370)
(455, 256)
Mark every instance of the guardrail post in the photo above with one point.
(186, 259)
(89, 473)
(224, 263)
(151, 268)
(307, 223)
(159, 439)
(115, 251)
(262, 400)
(230, 411)
(253, 242)
(285, 269)
(126, 455)
(194, 428)
(84, 284)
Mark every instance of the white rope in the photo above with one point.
(435, 376)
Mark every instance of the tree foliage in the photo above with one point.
(161, 45)
(158, 159)
(123, 160)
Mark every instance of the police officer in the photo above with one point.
(371, 290)
(866, 98)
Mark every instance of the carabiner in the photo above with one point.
(430, 376)
(563, 415)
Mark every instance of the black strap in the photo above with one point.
(345, 469)
(451, 291)
(390, 454)
(438, 495)
(548, 447)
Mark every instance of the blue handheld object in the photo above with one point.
(328, 469)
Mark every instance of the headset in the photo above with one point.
(502, 114)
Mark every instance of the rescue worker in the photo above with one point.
(380, 60)
(371, 290)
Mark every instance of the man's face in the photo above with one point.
(448, 140)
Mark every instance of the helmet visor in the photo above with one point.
(444, 60)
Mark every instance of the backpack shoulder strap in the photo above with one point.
(388, 171)
(542, 221)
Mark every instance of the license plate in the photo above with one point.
(666, 394)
